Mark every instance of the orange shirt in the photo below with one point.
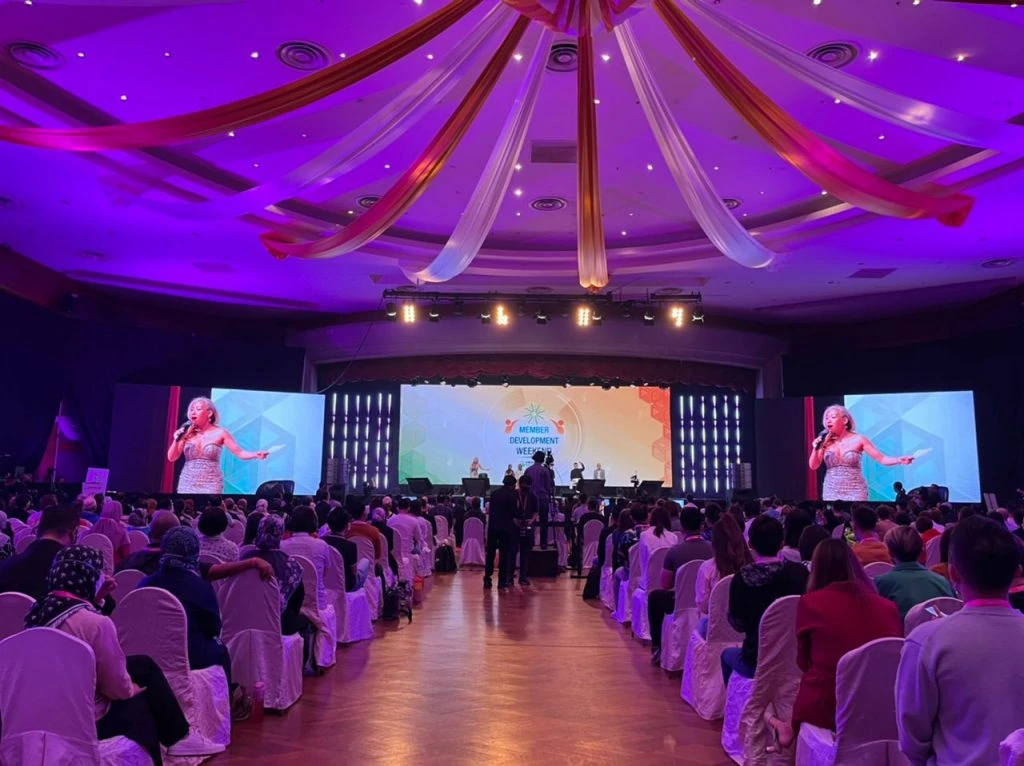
(872, 550)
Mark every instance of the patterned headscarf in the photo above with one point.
(72, 584)
(179, 549)
(270, 532)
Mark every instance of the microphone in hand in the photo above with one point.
(820, 441)
(182, 432)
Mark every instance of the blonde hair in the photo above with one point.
(215, 416)
(851, 425)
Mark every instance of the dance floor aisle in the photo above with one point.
(535, 677)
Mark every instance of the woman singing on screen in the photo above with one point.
(839, 447)
(200, 442)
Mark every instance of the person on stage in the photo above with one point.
(201, 442)
(475, 468)
(599, 472)
(510, 471)
(576, 474)
(840, 447)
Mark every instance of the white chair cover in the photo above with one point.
(389, 576)
(1011, 749)
(608, 590)
(773, 687)
(444, 535)
(866, 730)
(406, 570)
(235, 533)
(919, 613)
(127, 581)
(561, 546)
(23, 541)
(47, 685)
(472, 543)
(591, 539)
(103, 545)
(623, 613)
(17, 525)
(209, 558)
(641, 619)
(352, 610)
(326, 619)
(374, 592)
(838, 532)
(152, 622)
(251, 611)
(13, 608)
(877, 569)
(933, 552)
(702, 687)
(676, 630)
(425, 564)
(137, 539)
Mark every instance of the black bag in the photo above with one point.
(397, 601)
(592, 588)
(444, 559)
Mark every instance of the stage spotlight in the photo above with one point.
(566, 384)
(392, 311)
(434, 315)
(441, 382)
(409, 313)
(583, 315)
(648, 317)
(501, 315)
(542, 317)
(677, 316)
(698, 314)
(596, 317)
(485, 316)
(505, 382)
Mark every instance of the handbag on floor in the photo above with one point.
(444, 559)
(397, 601)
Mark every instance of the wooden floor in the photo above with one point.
(528, 677)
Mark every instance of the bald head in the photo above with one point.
(163, 521)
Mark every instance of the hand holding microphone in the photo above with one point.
(820, 441)
(182, 432)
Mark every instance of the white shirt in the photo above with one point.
(649, 543)
(317, 551)
(707, 578)
(412, 532)
(427, 529)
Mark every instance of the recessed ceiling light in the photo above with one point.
(387, 167)
(630, 215)
(917, 2)
(606, 57)
(418, 2)
(303, 135)
(231, 134)
(881, 137)
(518, 166)
(650, 166)
(351, 212)
(872, 55)
(837, 101)
(744, 215)
(518, 192)
(167, 54)
(597, 101)
(762, 194)
(961, 56)
(430, 57)
(81, 55)
(254, 55)
(124, 97)
(517, 56)
(815, 2)
(28, 2)
(255, 164)
(716, 167)
(623, 232)
(518, 214)
(998, 263)
(341, 55)
(823, 192)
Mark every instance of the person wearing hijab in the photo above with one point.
(133, 698)
(110, 525)
(179, 575)
(6, 542)
(286, 570)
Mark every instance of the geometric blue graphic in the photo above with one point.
(939, 422)
(259, 420)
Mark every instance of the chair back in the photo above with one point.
(403, 547)
(634, 566)
(151, 621)
(101, 543)
(685, 587)
(865, 702)
(22, 542)
(13, 608)
(442, 528)
(652, 578)
(1011, 749)
(311, 584)
(334, 572)
(235, 533)
(384, 552)
(838, 532)
(127, 581)
(592, 532)
(47, 683)
(877, 569)
(609, 551)
(137, 539)
(921, 613)
(719, 629)
(473, 529)
(365, 546)
(209, 558)
(776, 640)
(249, 603)
(933, 552)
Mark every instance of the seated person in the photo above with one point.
(793, 526)
(110, 525)
(355, 570)
(909, 583)
(213, 523)
(26, 572)
(303, 542)
(810, 538)
(958, 676)
(756, 587)
(869, 547)
(839, 613)
(730, 554)
(358, 527)
(147, 560)
(285, 568)
(942, 568)
(133, 698)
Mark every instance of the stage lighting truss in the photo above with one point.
(674, 311)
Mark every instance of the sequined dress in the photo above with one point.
(844, 477)
(201, 474)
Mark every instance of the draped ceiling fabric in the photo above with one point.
(568, 16)
(247, 111)
(417, 178)
(718, 222)
(925, 118)
(477, 219)
(375, 134)
(800, 147)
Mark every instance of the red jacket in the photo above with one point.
(829, 623)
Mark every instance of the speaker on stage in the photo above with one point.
(269, 490)
(476, 487)
(420, 486)
(591, 487)
(649, 488)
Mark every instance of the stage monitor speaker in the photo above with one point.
(591, 487)
(270, 490)
(543, 563)
(420, 486)
(649, 488)
(476, 487)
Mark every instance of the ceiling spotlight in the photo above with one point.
(517, 56)
(917, 2)
(648, 317)
(231, 134)
(430, 57)
(650, 166)
(505, 382)
(501, 315)
(409, 313)
(815, 2)
(623, 233)
(715, 167)
(541, 317)
(124, 98)
(392, 312)
(583, 316)
(485, 317)
(418, 2)
(351, 212)
(81, 55)
(254, 55)
(518, 192)
(677, 316)
(566, 384)
(881, 137)
(434, 315)
(698, 314)
(519, 166)
(961, 56)
(596, 318)
(605, 57)
(872, 55)
(837, 101)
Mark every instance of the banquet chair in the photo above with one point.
(562, 546)
(138, 540)
(607, 588)
(23, 540)
(933, 552)
(649, 580)
(472, 543)
(103, 545)
(251, 613)
(920, 614)
(406, 569)
(591, 539)
(623, 613)
(1011, 749)
(389, 576)
(372, 586)
(877, 569)
(702, 687)
(354, 619)
(745, 735)
(444, 535)
(13, 609)
(865, 712)
(47, 703)
(235, 533)
(676, 630)
(324, 618)
(838, 532)
(425, 561)
(152, 622)
(127, 580)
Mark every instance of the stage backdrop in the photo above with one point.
(626, 430)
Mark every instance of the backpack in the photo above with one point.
(397, 601)
(444, 559)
